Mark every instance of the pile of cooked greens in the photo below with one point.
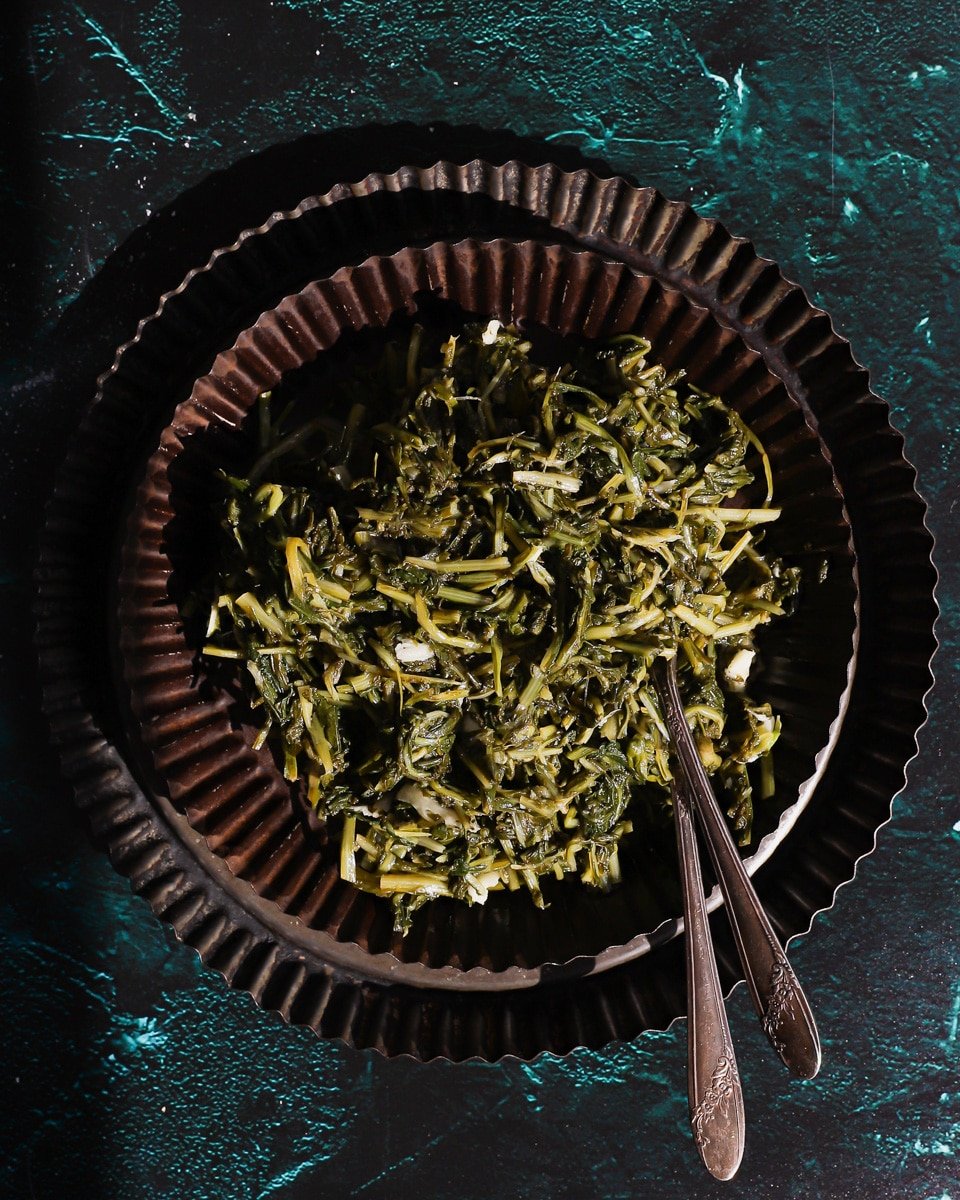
(447, 602)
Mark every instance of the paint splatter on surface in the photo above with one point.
(825, 135)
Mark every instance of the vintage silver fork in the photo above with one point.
(777, 995)
(713, 1081)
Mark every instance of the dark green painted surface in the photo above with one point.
(825, 131)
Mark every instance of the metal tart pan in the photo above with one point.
(200, 755)
(157, 848)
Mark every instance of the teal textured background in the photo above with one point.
(824, 131)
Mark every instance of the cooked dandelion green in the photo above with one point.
(448, 605)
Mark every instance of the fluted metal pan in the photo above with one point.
(172, 864)
(203, 760)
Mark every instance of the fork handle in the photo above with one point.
(713, 1081)
(779, 999)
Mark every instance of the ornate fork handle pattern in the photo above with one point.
(716, 1101)
(780, 993)
(783, 1009)
(713, 1082)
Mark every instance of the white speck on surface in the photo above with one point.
(737, 669)
(925, 329)
(489, 335)
(191, 116)
(408, 651)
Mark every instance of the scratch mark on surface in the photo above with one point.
(723, 84)
(113, 52)
(77, 967)
(117, 139)
(898, 156)
(685, 42)
(85, 254)
(292, 1174)
(833, 134)
(33, 1190)
(408, 1159)
(27, 385)
(607, 136)
(954, 1023)
(633, 33)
